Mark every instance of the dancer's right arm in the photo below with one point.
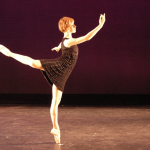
(57, 48)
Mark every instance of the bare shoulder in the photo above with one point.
(69, 42)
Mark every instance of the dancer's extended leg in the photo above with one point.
(56, 98)
(21, 58)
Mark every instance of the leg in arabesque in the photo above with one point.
(56, 98)
(21, 58)
(57, 94)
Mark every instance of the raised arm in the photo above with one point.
(88, 36)
(57, 48)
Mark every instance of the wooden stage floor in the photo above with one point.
(82, 128)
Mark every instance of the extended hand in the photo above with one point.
(102, 19)
(56, 49)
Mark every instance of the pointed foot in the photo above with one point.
(5, 51)
(56, 134)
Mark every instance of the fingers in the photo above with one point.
(102, 18)
(53, 49)
(102, 15)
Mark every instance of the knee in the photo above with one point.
(33, 64)
(56, 101)
(36, 64)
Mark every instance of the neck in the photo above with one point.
(67, 35)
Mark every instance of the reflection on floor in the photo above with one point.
(82, 128)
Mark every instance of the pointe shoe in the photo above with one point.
(1, 47)
(5, 51)
(56, 134)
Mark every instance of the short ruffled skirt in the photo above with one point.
(56, 71)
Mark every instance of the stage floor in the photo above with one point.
(82, 128)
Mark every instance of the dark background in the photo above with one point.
(115, 61)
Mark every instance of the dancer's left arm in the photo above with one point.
(57, 48)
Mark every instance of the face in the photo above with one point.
(73, 28)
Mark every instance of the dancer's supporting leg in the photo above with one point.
(56, 98)
(21, 58)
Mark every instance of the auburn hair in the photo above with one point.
(64, 23)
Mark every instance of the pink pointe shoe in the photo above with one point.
(56, 134)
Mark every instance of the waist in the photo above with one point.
(69, 55)
(70, 52)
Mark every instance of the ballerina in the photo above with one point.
(56, 71)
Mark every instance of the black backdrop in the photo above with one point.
(115, 61)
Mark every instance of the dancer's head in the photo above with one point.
(66, 24)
